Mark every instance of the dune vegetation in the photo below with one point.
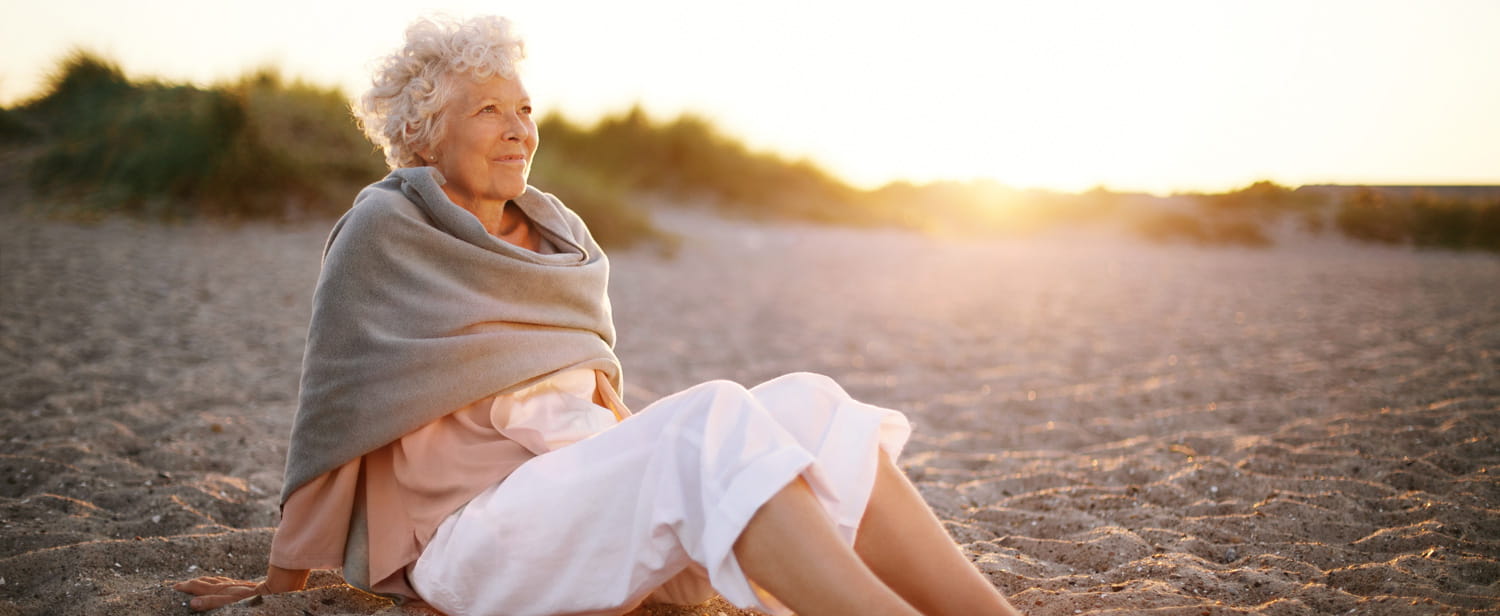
(261, 147)
(1424, 218)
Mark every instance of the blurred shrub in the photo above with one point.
(81, 79)
(1313, 221)
(14, 128)
(1163, 227)
(1369, 216)
(1238, 233)
(604, 206)
(150, 149)
(1487, 227)
(298, 152)
(688, 159)
(1423, 219)
(259, 148)
(1259, 195)
(1441, 223)
(1172, 226)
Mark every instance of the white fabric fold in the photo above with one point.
(553, 413)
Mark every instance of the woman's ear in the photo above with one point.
(426, 152)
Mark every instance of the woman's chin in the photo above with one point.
(510, 188)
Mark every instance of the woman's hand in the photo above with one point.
(215, 592)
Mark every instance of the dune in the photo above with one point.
(1105, 426)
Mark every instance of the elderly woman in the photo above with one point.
(460, 438)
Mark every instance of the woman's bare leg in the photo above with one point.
(790, 549)
(902, 541)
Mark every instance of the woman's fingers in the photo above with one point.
(210, 585)
(214, 592)
(204, 603)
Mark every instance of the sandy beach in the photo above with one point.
(1106, 426)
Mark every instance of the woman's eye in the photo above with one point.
(489, 109)
(526, 109)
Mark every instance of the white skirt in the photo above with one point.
(655, 503)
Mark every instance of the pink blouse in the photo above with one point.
(412, 484)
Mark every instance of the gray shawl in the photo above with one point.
(419, 311)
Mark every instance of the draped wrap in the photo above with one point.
(419, 311)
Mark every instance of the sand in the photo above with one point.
(1106, 426)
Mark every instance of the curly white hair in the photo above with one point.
(411, 86)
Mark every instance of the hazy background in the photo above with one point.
(1140, 96)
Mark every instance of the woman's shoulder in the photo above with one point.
(380, 207)
(383, 201)
(379, 211)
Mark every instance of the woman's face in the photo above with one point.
(489, 139)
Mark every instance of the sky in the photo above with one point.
(1148, 95)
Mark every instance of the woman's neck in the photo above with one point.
(501, 219)
(511, 225)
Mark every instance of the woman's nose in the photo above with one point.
(516, 129)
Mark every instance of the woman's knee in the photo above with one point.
(713, 403)
(716, 394)
(802, 381)
(802, 397)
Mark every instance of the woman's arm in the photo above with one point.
(213, 592)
